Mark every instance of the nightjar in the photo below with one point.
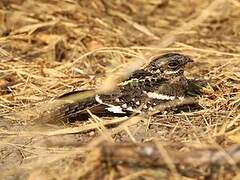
(162, 80)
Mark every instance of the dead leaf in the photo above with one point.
(94, 44)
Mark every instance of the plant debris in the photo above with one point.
(49, 48)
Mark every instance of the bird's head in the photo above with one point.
(168, 65)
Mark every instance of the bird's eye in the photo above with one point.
(172, 64)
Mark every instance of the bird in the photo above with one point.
(161, 80)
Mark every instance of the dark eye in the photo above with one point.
(172, 64)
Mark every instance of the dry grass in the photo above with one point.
(48, 48)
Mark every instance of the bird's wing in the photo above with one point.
(75, 104)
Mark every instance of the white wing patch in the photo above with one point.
(97, 98)
(130, 109)
(124, 106)
(129, 81)
(111, 108)
(115, 109)
(172, 72)
(154, 95)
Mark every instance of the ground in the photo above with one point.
(48, 48)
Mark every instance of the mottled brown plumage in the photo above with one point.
(160, 81)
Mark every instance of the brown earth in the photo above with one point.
(51, 47)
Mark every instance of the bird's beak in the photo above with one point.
(188, 60)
